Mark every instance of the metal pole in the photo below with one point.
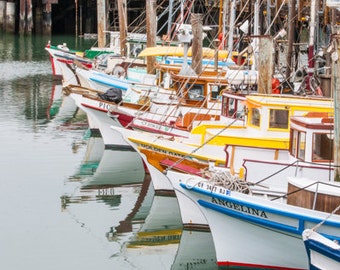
(76, 15)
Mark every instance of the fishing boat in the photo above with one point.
(272, 229)
(199, 101)
(61, 53)
(310, 154)
(123, 73)
(161, 153)
(96, 104)
(264, 134)
(323, 253)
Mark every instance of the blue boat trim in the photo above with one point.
(251, 219)
(109, 84)
(322, 249)
(295, 230)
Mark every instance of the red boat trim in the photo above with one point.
(53, 66)
(94, 108)
(86, 64)
(180, 167)
(230, 265)
(122, 118)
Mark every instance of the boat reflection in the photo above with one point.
(117, 167)
(92, 157)
(158, 238)
(196, 251)
(138, 213)
(111, 202)
(61, 108)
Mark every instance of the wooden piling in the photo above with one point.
(122, 14)
(151, 28)
(2, 15)
(10, 17)
(25, 17)
(197, 40)
(265, 64)
(101, 27)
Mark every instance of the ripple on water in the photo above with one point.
(12, 70)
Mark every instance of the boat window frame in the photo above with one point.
(191, 88)
(274, 117)
(220, 88)
(301, 149)
(319, 145)
(231, 107)
(297, 147)
(293, 141)
(255, 117)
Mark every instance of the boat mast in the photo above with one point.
(170, 13)
(222, 23)
(231, 29)
(311, 42)
(291, 37)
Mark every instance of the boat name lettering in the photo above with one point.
(104, 105)
(154, 125)
(161, 238)
(109, 191)
(214, 188)
(196, 262)
(240, 208)
(161, 150)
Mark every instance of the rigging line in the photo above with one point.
(169, 37)
(196, 149)
(206, 113)
(326, 218)
(295, 191)
(277, 14)
(277, 172)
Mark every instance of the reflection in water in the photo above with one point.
(61, 108)
(196, 251)
(92, 157)
(117, 167)
(157, 239)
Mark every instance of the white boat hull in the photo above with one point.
(252, 232)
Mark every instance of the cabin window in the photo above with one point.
(278, 119)
(293, 142)
(297, 144)
(255, 117)
(322, 147)
(195, 92)
(215, 91)
(301, 145)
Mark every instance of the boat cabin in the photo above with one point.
(273, 112)
(194, 90)
(311, 138)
